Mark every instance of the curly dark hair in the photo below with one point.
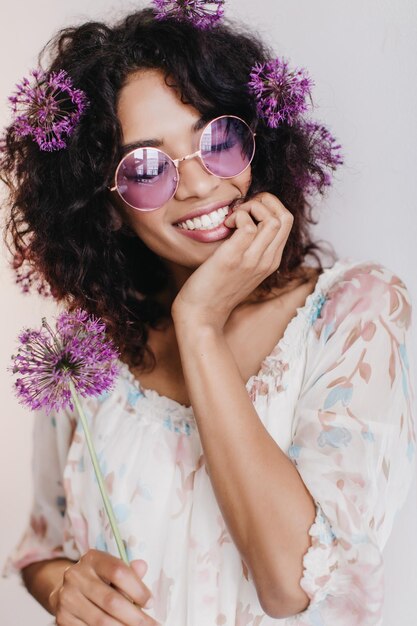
(60, 217)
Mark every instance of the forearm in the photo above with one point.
(263, 499)
(42, 577)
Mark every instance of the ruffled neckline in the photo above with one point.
(290, 344)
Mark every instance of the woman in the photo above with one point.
(260, 437)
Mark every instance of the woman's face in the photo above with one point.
(149, 109)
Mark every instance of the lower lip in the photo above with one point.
(207, 236)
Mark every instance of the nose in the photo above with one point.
(195, 180)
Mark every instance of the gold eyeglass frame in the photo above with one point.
(184, 158)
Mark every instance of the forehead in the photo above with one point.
(147, 107)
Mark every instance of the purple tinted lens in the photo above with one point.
(146, 178)
(227, 146)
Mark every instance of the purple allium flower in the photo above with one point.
(326, 154)
(201, 14)
(76, 352)
(281, 93)
(49, 110)
(27, 276)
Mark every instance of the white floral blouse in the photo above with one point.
(335, 394)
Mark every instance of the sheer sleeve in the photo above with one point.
(44, 536)
(354, 441)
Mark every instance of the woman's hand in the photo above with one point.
(101, 589)
(238, 265)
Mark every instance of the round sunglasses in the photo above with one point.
(146, 178)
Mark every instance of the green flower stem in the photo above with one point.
(99, 476)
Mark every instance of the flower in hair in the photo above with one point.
(47, 110)
(201, 14)
(280, 92)
(326, 155)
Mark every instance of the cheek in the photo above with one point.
(244, 180)
(145, 227)
(151, 230)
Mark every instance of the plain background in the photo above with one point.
(362, 56)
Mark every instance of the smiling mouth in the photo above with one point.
(208, 221)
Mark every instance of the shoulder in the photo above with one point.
(367, 291)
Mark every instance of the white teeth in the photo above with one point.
(207, 221)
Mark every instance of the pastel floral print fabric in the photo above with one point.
(335, 394)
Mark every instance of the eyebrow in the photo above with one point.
(157, 143)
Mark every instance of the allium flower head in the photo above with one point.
(27, 276)
(203, 15)
(47, 110)
(326, 155)
(48, 361)
(280, 92)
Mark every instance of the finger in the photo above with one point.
(238, 218)
(263, 199)
(271, 201)
(276, 247)
(122, 576)
(245, 221)
(272, 235)
(140, 567)
(245, 230)
(116, 605)
(101, 605)
(73, 603)
(267, 228)
(257, 210)
(68, 620)
(81, 608)
(287, 220)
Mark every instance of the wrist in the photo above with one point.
(53, 598)
(192, 331)
(192, 322)
(193, 319)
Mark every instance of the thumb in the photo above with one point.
(140, 567)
